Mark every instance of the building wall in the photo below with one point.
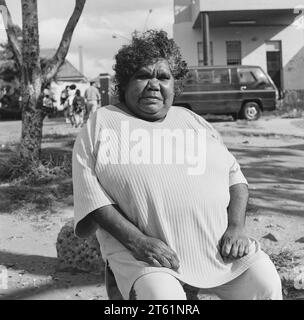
(253, 47)
(187, 38)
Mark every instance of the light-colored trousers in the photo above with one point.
(92, 106)
(260, 282)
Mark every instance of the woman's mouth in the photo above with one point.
(151, 98)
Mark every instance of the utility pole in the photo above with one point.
(146, 22)
(80, 59)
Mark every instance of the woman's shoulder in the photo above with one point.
(196, 119)
(109, 109)
(110, 113)
(189, 114)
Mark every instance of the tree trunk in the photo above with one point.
(31, 84)
(32, 122)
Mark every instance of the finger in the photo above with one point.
(175, 257)
(174, 263)
(226, 249)
(171, 254)
(235, 249)
(246, 248)
(153, 262)
(172, 260)
(172, 257)
(164, 262)
(241, 250)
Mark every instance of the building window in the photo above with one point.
(234, 52)
(200, 53)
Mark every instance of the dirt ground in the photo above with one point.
(271, 153)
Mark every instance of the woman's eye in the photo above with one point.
(164, 77)
(143, 76)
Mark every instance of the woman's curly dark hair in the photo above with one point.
(143, 50)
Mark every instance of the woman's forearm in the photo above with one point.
(112, 220)
(237, 206)
(144, 248)
(234, 243)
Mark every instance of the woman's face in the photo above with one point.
(150, 92)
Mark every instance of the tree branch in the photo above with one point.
(55, 63)
(11, 34)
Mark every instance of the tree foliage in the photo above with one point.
(35, 74)
(8, 65)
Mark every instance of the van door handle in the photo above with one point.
(243, 87)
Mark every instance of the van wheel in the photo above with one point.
(251, 111)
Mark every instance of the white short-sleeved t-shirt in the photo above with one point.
(171, 179)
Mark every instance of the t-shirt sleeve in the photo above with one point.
(236, 175)
(89, 195)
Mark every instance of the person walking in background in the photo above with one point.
(4, 97)
(92, 98)
(69, 104)
(78, 110)
(64, 95)
(48, 101)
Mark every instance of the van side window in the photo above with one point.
(191, 77)
(217, 76)
(247, 76)
(221, 76)
(205, 76)
(261, 76)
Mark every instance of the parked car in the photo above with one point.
(10, 108)
(241, 91)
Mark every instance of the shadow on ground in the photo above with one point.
(275, 177)
(49, 278)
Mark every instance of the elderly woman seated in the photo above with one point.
(166, 198)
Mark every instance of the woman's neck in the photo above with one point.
(123, 107)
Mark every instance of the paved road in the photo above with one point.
(10, 131)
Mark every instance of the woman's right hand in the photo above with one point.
(144, 248)
(154, 252)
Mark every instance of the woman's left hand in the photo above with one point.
(234, 243)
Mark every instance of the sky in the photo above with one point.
(101, 19)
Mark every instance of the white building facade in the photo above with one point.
(268, 33)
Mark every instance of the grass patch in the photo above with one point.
(28, 187)
(283, 260)
(45, 170)
(32, 187)
(286, 263)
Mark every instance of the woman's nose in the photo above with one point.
(153, 84)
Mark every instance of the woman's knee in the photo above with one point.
(158, 286)
(268, 283)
